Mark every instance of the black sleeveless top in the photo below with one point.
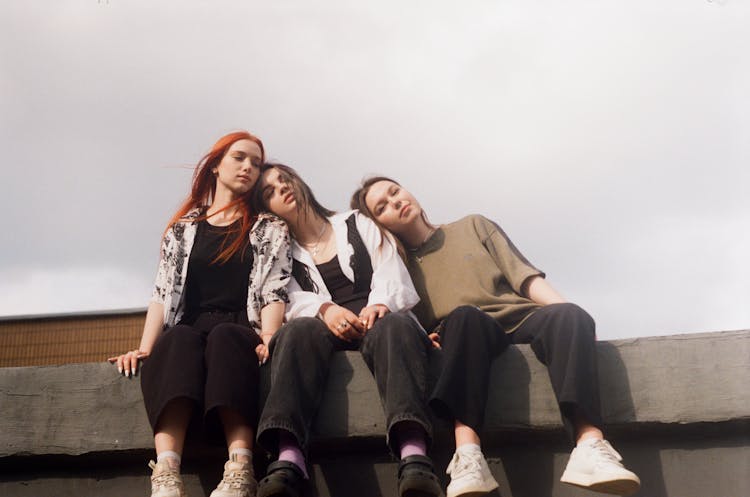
(352, 296)
(213, 286)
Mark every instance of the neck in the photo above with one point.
(416, 234)
(307, 227)
(218, 211)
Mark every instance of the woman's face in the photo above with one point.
(239, 168)
(392, 206)
(278, 195)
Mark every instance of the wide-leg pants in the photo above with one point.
(395, 350)
(562, 337)
(211, 361)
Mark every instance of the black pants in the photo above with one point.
(561, 335)
(211, 361)
(395, 351)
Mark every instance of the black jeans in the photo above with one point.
(562, 337)
(395, 350)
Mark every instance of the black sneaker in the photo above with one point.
(283, 479)
(416, 478)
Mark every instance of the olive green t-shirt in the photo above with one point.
(471, 262)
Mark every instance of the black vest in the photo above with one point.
(359, 262)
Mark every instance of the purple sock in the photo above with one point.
(289, 451)
(411, 440)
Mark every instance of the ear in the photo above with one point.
(214, 171)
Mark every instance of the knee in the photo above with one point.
(576, 319)
(465, 320)
(179, 336)
(396, 327)
(302, 332)
(226, 333)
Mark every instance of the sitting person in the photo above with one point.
(478, 294)
(349, 291)
(220, 295)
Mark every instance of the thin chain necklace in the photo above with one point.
(313, 247)
(415, 249)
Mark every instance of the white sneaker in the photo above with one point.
(470, 475)
(165, 481)
(596, 466)
(238, 480)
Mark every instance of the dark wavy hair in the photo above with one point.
(302, 192)
(358, 202)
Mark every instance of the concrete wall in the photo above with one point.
(677, 408)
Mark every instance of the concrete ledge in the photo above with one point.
(679, 388)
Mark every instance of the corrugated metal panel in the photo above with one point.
(48, 340)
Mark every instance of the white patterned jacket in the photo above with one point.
(269, 274)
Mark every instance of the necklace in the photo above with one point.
(415, 249)
(313, 247)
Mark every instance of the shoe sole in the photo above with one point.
(617, 486)
(474, 492)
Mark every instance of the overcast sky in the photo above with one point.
(610, 139)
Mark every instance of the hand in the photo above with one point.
(435, 338)
(343, 323)
(371, 313)
(262, 352)
(127, 363)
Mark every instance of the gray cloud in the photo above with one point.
(611, 142)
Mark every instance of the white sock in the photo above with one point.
(469, 448)
(168, 454)
(241, 452)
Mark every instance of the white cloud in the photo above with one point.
(28, 291)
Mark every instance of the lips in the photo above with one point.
(288, 198)
(404, 210)
(243, 178)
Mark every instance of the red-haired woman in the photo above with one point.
(219, 296)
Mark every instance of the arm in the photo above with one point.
(271, 318)
(537, 289)
(391, 285)
(127, 363)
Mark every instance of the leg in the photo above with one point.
(562, 336)
(232, 381)
(172, 384)
(300, 356)
(395, 351)
(470, 340)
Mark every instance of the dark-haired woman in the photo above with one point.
(219, 296)
(350, 291)
(478, 295)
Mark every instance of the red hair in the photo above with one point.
(204, 188)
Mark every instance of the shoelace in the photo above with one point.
(235, 479)
(166, 479)
(461, 466)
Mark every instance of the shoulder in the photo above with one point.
(269, 226)
(268, 219)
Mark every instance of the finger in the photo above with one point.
(357, 325)
(120, 365)
(130, 364)
(382, 311)
(112, 359)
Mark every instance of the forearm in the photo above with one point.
(537, 289)
(152, 327)
(271, 319)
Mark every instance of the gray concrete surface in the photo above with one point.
(677, 408)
